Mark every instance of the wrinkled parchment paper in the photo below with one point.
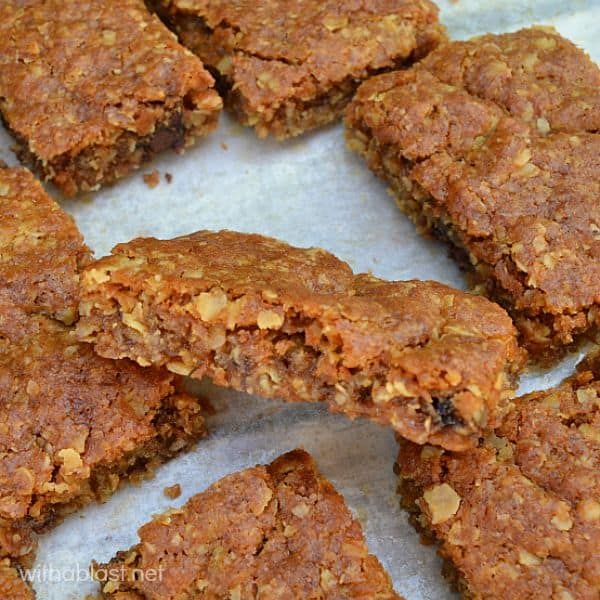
(310, 192)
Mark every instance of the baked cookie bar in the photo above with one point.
(274, 531)
(287, 67)
(90, 90)
(493, 145)
(72, 424)
(519, 516)
(258, 315)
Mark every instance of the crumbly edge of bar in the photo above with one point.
(177, 430)
(100, 164)
(408, 495)
(293, 117)
(546, 336)
(224, 355)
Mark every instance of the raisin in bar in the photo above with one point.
(90, 90)
(274, 531)
(258, 315)
(519, 516)
(287, 67)
(72, 424)
(493, 145)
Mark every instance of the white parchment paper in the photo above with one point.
(310, 192)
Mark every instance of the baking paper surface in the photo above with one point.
(309, 192)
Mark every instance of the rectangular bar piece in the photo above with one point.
(91, 90)
(518, 517)
(258, 315)
(493, 145)
(72, 424)
(274, 531)
(287, 67)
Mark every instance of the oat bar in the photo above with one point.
(275, 531)
(90, 90)
(287, 67)
(519, 516)
(41, 249)
(258, 315)
(493, 145)
(72, 424)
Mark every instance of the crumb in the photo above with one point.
(168, 177)
(152, 179)
(172, 491)
(224, 146)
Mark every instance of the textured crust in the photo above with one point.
(90, 90)
(261, 316)
(41, 250)
(72, 424)
(294, 65)
(492, 144)
(518, 517)
(275, 531)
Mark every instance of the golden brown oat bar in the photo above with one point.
(519, 516)
(72, 424)
(41, 250)
(493, 145)
(291, 66)
(90, 90)
(258, 315)
(275, 531)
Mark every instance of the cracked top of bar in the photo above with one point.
(81, 82)
(280, 530)
(41, 249)
(259, 315)
(300, 57)
(493, 144)
(72, 424)
(519, 516)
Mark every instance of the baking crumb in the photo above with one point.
(173, 491)
(224, 146)
(168, 177)
(152, 179)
